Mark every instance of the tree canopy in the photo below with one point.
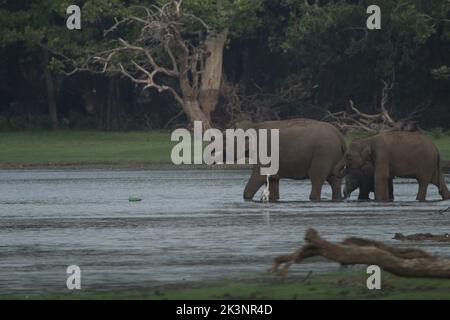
(276, 59)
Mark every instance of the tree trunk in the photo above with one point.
(212, 73)
(50, 86)
(111, 104)
(195, 113)
(190, 103)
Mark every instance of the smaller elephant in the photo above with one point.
(399, 154)
(363, 179)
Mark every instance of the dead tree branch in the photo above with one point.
(263, 105)
(352, 119)
(160, 29)
(398, 261)
(166, 49)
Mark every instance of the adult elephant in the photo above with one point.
(399, 154)
(363, 179)
(308, 149)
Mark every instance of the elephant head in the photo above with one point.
(361, 179)
(358, 170)
(358, 155)
(352, 182)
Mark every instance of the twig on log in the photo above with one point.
(401, 262)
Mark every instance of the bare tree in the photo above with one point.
(170, 44)
(353, 119)
(50, 87)
(294, 96)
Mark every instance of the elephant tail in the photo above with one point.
(344, 148)
(339, 166)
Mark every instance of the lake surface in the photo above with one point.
(191, 227)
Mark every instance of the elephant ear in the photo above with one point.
(366, 153)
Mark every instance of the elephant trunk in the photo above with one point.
(346, 193)
(443, 190)
(340, 169)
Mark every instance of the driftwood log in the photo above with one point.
(399, 261)
(422, 237)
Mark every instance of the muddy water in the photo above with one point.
(190, 227)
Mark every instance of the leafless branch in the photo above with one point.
(161, 29)
(352, 119)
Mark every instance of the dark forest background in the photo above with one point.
(281, 59)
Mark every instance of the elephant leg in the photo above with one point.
(254, 183)
(391, 189)
(423, 187)
(364, 192)
(381, 182)
(316, 189)
(381, 190)
(422, 194)
(274, 189)
(442, 186)
(443, 190)
(318, 176)
(336, 187)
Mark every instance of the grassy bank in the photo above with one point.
(347, 285)
(100, 148)
(74, 147)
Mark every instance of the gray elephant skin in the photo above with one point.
(308, 149)
(398, 154)
(363, 179)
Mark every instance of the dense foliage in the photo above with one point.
(283, 58)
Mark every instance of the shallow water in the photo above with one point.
(191, 226)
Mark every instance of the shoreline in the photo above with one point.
(117, 165)
(349, 285)
(133, 165)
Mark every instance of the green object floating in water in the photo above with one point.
(134, 199)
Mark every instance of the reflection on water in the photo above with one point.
(191, 226)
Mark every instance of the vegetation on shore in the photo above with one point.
(342, 285)
(269, 58)
(94, 148)
(88, 147)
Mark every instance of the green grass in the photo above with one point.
(93, 147)
(443, 144)
(344, 285)
(84, 146)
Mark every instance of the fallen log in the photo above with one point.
(352, 251)
(422, 237)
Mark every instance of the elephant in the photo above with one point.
(363, 179)
(308, 149)
(398, 154)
